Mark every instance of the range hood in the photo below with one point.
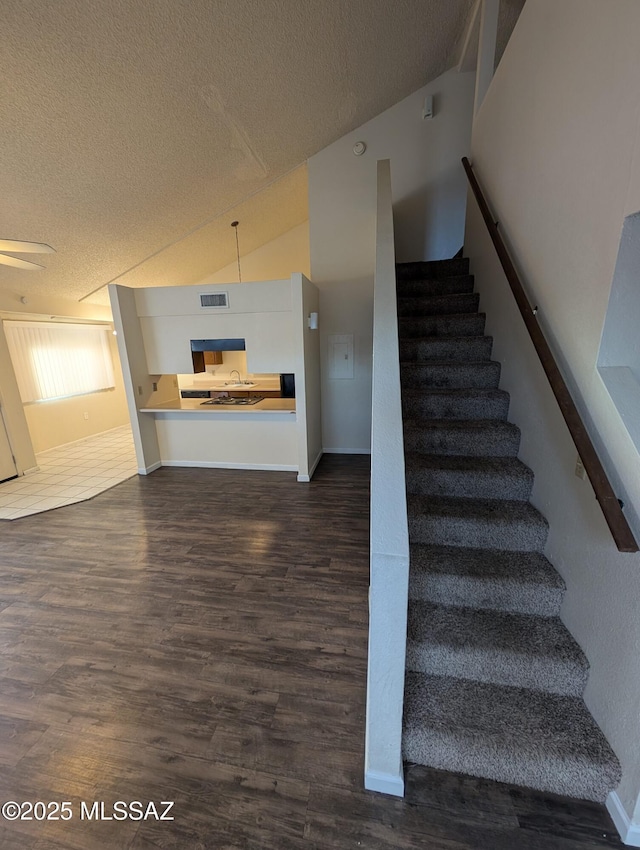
(217, 345)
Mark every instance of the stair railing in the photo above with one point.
(389, 536)
(609, 503)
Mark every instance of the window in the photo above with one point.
(59, 360)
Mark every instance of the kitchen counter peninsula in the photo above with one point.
(157, 327)
(263, 435)
(194, 405)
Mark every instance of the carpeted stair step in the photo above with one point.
(455, 404)
(437, 305)
(483, 523)
(434, 286)
(474, 437)
(514, 735)
(457, 348)
(487, 579)
(468, 477)
(451, 375)
(494, 678)
(429, 269)
(495, 646)
(463, 324)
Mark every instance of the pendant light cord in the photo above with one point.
(235, 224)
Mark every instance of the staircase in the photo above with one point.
(494, 680)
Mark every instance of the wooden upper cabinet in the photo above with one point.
(202, 359)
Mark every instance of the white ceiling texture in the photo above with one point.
(134, 131)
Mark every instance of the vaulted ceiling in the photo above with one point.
(134, 131)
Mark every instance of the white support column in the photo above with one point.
(135, 374)
(486, 49)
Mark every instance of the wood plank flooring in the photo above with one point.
(200, 636)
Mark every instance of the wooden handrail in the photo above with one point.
(611, 507)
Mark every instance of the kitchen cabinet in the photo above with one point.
(202, 359)
(195, 394)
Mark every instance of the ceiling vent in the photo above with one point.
(215, 300)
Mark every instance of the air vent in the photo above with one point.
(217, 300)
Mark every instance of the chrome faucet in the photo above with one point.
(237, 373)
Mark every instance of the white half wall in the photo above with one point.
(429, 195)
(556, 146)
(389, 536)
(228, 440)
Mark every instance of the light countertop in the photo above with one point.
(194, 405)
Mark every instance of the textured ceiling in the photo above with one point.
(132, 129)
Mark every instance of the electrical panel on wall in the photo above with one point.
(340, 357)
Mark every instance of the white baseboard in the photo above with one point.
(315, 463)
(31, 470)
(214, 464)
(629, 832)
(384, 783)
(88, 437)
(147, 469)
(306, 478)
(347, 451)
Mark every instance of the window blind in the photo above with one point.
(59, 360)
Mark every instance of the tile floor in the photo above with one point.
(71, 473)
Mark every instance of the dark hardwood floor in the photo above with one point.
(200, 636)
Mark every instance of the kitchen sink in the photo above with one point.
(239, 385)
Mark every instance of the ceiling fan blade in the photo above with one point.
(21, 247)
(17, 263)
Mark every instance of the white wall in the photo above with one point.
(429, 198)
(556, 146)
(260, 313)
(277, 259)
